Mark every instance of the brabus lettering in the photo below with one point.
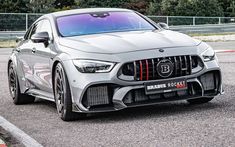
(153, 87)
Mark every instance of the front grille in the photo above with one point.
(144, 70)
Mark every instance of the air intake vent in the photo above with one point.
(96, 96)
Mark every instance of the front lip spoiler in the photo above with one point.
(112, 109)
(221, 91)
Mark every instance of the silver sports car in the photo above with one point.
(100, 60)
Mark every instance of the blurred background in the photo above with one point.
(193, 17)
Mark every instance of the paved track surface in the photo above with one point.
(172, 124)
(229, 45)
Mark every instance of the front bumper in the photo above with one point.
(113, 95)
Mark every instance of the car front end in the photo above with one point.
(118, 59)
(109, 82)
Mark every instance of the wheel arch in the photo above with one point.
(8, 65)
(61, 58)
(53, 75)
(12, 59)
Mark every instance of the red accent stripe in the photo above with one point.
(224, 51)
(147, 70)
(141, 71)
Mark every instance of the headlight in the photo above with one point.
(208, 54)
(92, 66)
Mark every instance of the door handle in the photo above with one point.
(17, 49)
(34, 50)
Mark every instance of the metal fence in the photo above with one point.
(192, 20)
(21, 21)
(17, 21)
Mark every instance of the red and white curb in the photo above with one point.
(2, 143)
(225, 51)
(18, 134)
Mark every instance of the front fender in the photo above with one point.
(62, 58)
(18, 70)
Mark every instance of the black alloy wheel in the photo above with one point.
(14, 88)
(63, 95)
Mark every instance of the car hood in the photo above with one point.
(121, 42)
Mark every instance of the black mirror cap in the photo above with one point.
(41, 37)
(164, 25)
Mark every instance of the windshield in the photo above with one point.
(101, 22)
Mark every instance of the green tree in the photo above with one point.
(168, 7)
(192, 7)
(100, 3)
(41, 6)
(154, 7)
(186, 8)
(137, 5)
(59, 4)
(231, 8)
(208, 8)
(149, 7)
(225, 4)
(14, 6)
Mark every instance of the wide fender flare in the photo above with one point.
(66, 62)
(18, 71)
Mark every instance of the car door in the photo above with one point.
(40, 60)
(23, 57)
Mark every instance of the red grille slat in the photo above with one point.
(141, 71)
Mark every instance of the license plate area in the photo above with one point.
(165, 86)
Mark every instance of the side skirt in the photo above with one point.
(41, 94)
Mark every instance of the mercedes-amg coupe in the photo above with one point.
(104, 59)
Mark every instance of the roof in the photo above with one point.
(87, 10)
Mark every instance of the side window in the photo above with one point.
(36, 28)
(46, 27)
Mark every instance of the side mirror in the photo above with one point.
(18, 39)
(164, 26)
(41, 37)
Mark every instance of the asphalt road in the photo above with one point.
(172, 124)
(229, 45)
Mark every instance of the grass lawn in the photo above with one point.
(7, 43)
(209, 34)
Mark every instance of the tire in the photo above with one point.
(200, 100)
(62, 95)
(14, 88)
